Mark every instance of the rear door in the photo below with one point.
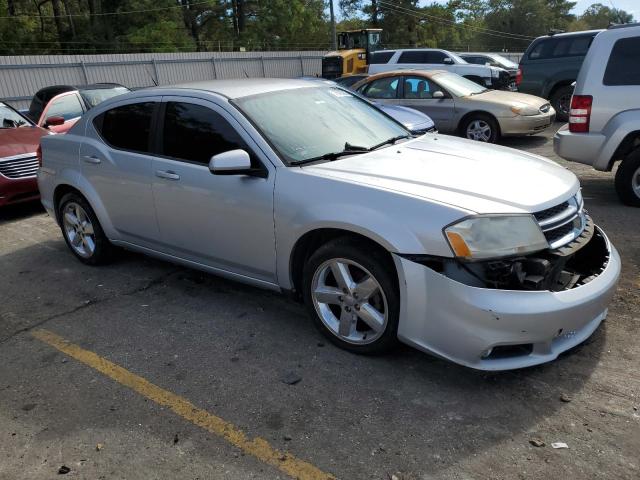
(66, 105)
(417, 92)
(116, 160)
(222, 221)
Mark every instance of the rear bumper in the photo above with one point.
(526, 124)
(580, 147)
(463, 323)
(18, 190)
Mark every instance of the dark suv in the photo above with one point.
(551, 64)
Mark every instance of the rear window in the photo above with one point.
(561, 47)
(623, 67)
(380, 57)
(127, 127)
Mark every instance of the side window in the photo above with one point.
(580, 46)
(380, 57)
(419, 88)
(536, 52)
(412, 56)
(383, 88)
(127, 127)
(196, 133)
(67, 107)
(623, 67)
(435, 57)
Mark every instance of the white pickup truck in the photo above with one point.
(436, 59)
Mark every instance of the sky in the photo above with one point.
(631, 6)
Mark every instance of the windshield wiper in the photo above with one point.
(348, 150)
(390, 141)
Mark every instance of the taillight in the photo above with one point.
(39, 155)
(519, 76)
(580, 113)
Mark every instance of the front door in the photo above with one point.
(417, 93)
(223, 221)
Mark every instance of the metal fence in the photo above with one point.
(22, 76)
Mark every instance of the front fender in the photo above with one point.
(399, 223)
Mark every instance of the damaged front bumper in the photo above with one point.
(490, 327)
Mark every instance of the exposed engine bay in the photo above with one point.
(569, 266)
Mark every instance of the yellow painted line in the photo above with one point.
(258, 447)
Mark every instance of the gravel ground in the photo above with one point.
(226, 348)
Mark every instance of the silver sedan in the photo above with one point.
(479, 254)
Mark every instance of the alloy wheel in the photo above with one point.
(635, 182)
(479, 130)
(564, 103)
(79, 230)
(349, 301)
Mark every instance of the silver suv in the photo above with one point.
(604, 122)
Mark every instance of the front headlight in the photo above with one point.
(524, 110)
(495, 236)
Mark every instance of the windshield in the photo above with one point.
(457, 85)
(504, 62)
(98, 95)
(9, 118)
(306, 123)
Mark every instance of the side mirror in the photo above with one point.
(53, 121)
(438, 94)
(448, 61)
(233, 162)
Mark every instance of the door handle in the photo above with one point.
(167, 174)
(91, 159)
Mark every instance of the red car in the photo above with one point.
(59, 107)
(19, 141)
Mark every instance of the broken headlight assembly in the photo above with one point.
(495, 236)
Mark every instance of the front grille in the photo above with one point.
(20, 166)
(551, 212)
(545, 108)
(562, 223)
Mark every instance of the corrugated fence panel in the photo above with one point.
(22, 76)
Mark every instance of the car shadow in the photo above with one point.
(21, 210)
(226, 346)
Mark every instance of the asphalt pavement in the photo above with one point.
(146, 370)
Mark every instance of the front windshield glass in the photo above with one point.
(504, 62)
(306, 123)
(99, 95)
(9, 118)
(457, 85)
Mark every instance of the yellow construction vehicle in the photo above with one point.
(352, 56)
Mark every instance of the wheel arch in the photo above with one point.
(628, 144)
(310, 241)
(553, 88)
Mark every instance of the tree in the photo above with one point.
(601, 16)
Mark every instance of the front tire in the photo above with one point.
(82, 231)
(561, 102)
(351, 293)
(628, 179)
(481, 128)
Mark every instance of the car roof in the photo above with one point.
(69, 88)
(405, 71)
(244, 87)
(571, 34)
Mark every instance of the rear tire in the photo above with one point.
(561, 102)
(82, 231)
(628, 179)
(358, 307)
